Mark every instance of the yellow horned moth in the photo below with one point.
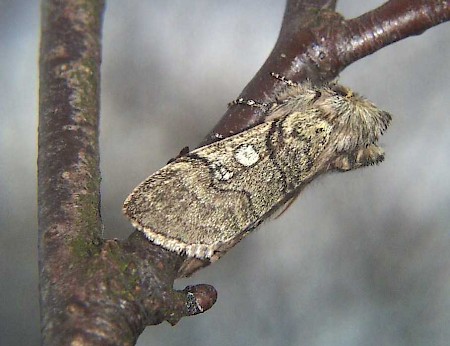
(203, 203)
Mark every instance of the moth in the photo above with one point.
(203, 203)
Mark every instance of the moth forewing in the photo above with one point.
(203, 203)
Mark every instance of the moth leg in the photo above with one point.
(283, 79)
(183, 152)
(251, 103)
(368, 156)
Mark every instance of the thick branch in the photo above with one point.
(92, 291)
(68, 160)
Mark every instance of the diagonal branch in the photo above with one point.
(317, 43)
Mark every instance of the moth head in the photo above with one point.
(357, 121)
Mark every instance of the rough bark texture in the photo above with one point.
(105, 292)
(93, 291)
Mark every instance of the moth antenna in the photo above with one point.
(250, 102)
(283, 79)
(203, 203)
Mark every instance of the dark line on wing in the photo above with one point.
(211, 184)
(276, 128)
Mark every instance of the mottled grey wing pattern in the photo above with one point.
(213, 195)
(204, 202)
(195, 204)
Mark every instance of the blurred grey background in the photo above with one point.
(362, 258)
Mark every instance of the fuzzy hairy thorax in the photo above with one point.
(205, 201)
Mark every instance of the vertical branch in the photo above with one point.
(68, 158)
(93, 291)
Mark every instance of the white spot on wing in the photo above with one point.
(246, 155)
(220, 172)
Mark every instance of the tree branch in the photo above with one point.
(317, 43)
(92, 291)
(96, 291)
(68, 159)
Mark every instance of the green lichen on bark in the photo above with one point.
(83, 248)
(127, 280)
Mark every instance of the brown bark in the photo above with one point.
(316, 42)
(93, 291)
(96, 291)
